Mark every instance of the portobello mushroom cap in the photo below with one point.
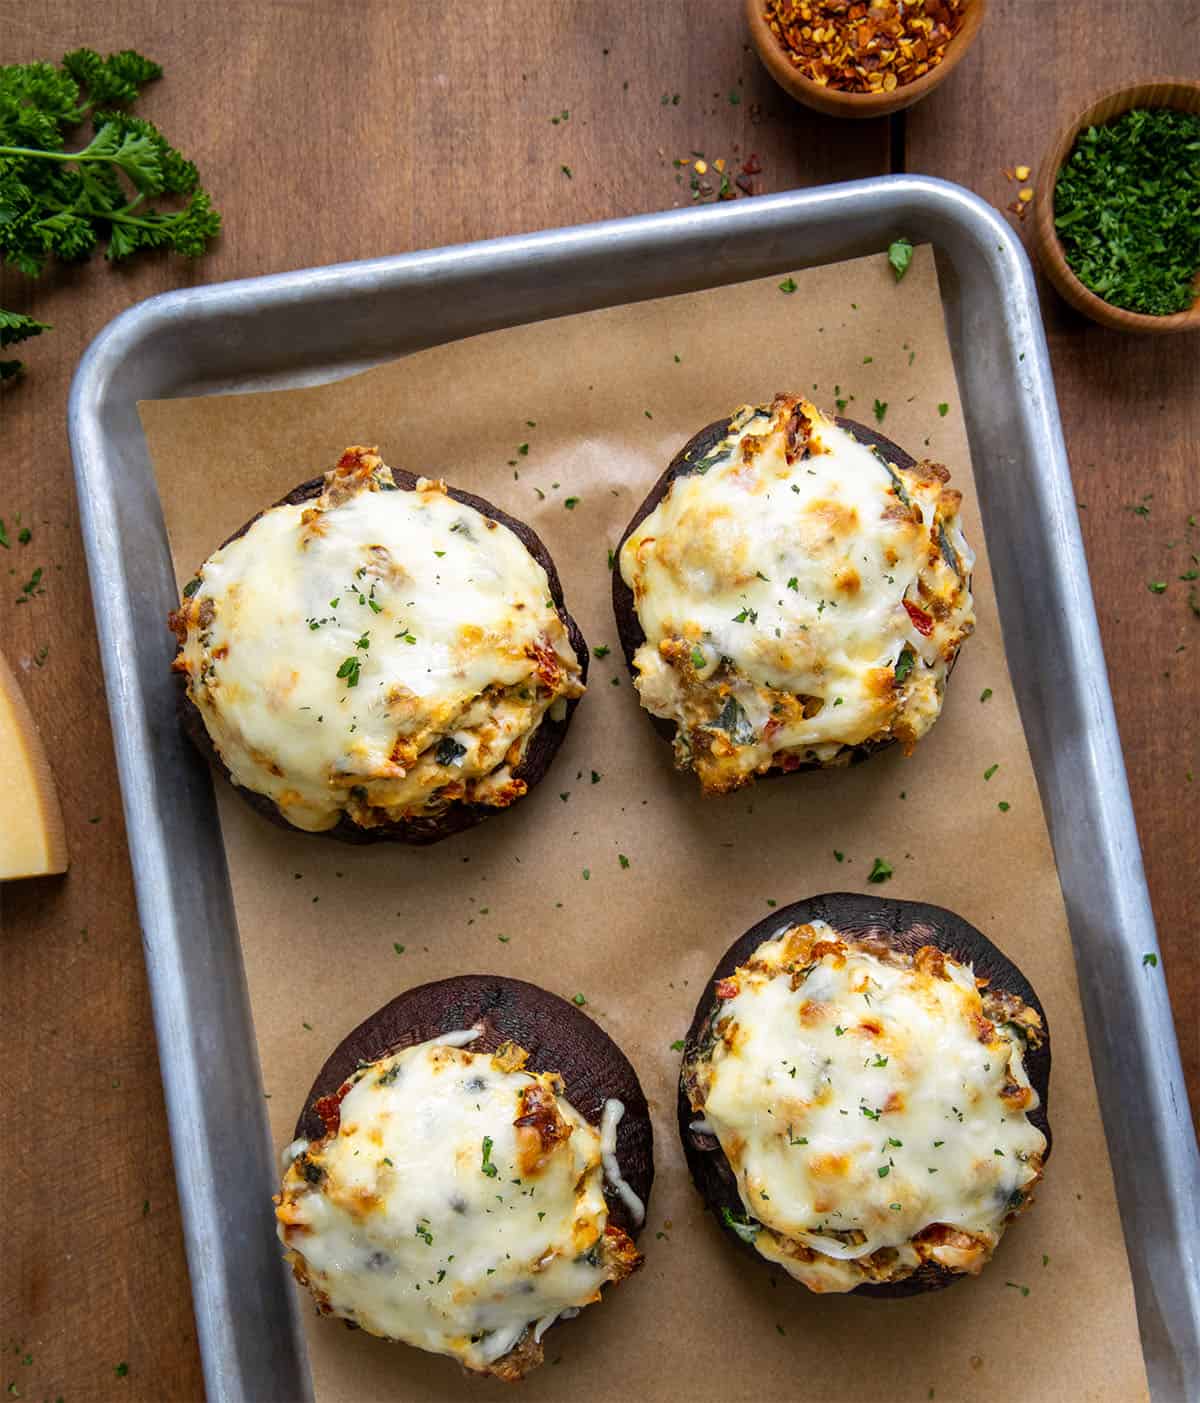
(558, 1037)
(685, 463)
(458, 815)
(904, 926)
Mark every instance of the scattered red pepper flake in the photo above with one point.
(861, 47)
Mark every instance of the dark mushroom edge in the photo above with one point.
(558, 1037)
(905, 926)
(686, 462)
(458, 816)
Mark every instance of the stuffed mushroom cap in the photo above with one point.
(460, 1194)
(379, 656)
(792, 594)
(863, 1095)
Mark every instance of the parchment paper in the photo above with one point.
(603, 400)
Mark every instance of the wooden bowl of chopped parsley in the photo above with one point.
(1117, 226)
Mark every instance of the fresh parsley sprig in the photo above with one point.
(56, 203)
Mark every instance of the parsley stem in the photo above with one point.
(54, 155)
(114, 216)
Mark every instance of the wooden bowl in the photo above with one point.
(839, 104)
(1182, 94)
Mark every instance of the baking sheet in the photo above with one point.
(610, 403)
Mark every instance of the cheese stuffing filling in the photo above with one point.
(800, 597)
(872, 1106)
(456, 1204)
(375, 653)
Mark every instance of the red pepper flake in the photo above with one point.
(329, 1108)
(864, 48)
(921, 620)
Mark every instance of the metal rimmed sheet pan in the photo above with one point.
(309, 326)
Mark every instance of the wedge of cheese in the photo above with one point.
(32, 840)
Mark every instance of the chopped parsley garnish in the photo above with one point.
(880, 871)
(788, 285)
(601, 650)
(32, 586)
(1157, 586)
(943, 410)
(880, 410)
(838, 857)
(1125, 210)
(121, 1369)
(884, 1170)
(399, 949)
(698, 659)
(986, 694)
(881, 1062)
(349, 670)
(571, 503)
(869, 1113)
(793, 584)
(485, 1164)
(1004, 806)
(578, 1000)
(744, 1227)
(900, 253)
(623, 860)
(188, 590)
(677, 1045)
(424, 1232)
(990, 771)
(746, 615)
(1151, 959)
(1016, 1286)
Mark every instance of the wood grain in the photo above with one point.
(352, 128)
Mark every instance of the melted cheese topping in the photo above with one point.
(376, 653)
(800, 597)
(459, 1205)
(875, 1116)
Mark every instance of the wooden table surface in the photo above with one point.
(352, 128)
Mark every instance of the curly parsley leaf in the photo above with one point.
(59, 203)
(15, 327)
